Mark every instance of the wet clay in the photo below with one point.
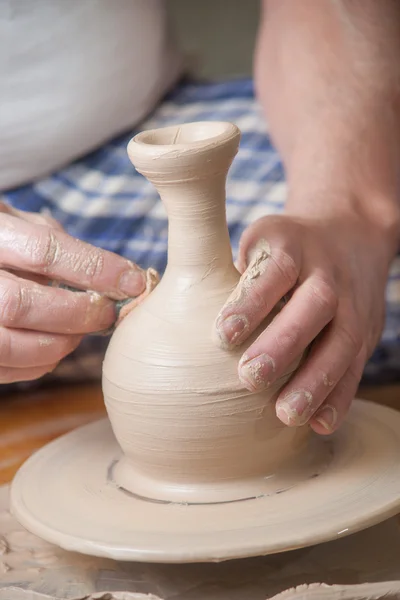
(188, 427)
(191, 466)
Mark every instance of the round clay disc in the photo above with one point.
(65, 494)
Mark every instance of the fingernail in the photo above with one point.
(132, 282)
(327, 417)
(232, 330)
(256, 373)
(295, 409)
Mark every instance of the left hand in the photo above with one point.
(335, 269)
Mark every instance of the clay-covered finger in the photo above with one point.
(271, 274)
(14, 375)
(25, 304)
(27, 349)
(53, 253)
(325, 366)
(334, 410)
(310, 309)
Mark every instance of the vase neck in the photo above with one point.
(188, 164)
(198, 233)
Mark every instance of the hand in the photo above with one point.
(335, 272)
(40, 324)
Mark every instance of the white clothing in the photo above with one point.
(75, 73)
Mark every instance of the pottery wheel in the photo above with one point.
(65, 494)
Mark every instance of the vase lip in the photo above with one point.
(183, 139)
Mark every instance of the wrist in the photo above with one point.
(378, 215)
(349, 169)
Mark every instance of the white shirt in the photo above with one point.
(73, 74)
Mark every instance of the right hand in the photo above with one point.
(40, 324)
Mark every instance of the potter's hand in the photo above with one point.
(40, 324)
(333, 247)
(335, 271)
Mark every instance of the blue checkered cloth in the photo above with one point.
(101, 199)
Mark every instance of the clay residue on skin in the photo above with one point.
(96, 298)
(254, 370)
(258, 263)
(328, 382)
(45, 340)
(257, 266)
(237, 304)
(291, 413)
(251, 370)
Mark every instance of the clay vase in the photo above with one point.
(188, 429)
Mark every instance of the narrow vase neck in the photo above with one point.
(198, 234)
(188, 164)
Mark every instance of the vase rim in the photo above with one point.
(187, 138)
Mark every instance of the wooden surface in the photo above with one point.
(30, 420)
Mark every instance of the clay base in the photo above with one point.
(65, 494)
(314, 456)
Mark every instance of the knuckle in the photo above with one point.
(290, 338)
(13, 301)
(287, 267)
(324, 295)
(46, 249)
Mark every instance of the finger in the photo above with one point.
(44, 217)
(13, 375)
(334, 410)
(30, 276)
(270, 275)
(325, 366)
(28, 349)
(44, 250)
(28, 305)
(310, 309)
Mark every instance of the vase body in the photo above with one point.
(188, 429)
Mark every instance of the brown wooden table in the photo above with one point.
(31, 419)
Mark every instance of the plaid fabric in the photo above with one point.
(102, 200)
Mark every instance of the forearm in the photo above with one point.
(327, 75)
